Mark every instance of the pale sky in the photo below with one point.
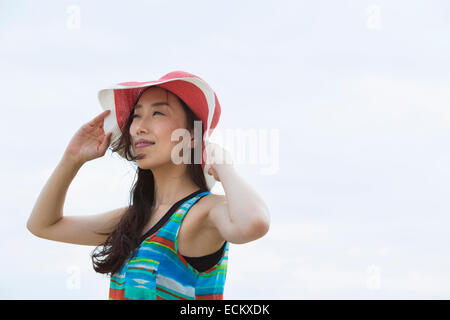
(359, 92)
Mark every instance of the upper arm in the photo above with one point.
(82, 229)
(219, 218)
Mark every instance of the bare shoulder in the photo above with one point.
(206, 203)
(215, 198)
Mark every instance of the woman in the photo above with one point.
(152, 248)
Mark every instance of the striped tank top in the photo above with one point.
(158, 271)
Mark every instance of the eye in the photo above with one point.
(136, 115)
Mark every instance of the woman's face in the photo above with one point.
(156, 115)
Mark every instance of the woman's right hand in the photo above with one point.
(90, 141)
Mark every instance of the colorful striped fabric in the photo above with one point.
(158, 271)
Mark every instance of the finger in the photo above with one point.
(99, 118)
(106, 140)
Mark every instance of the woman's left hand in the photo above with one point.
(217, 157)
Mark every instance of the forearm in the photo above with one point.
(48, 208)
(245, 206)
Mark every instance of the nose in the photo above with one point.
(140, 130)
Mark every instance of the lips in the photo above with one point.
(140, 143)
(144, 144)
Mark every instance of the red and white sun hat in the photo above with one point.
(194, 91)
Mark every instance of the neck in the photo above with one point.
(172, 183)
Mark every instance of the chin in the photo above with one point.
(146, 164)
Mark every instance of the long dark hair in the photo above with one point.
(110, 256)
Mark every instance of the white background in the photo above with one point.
(359, 92)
